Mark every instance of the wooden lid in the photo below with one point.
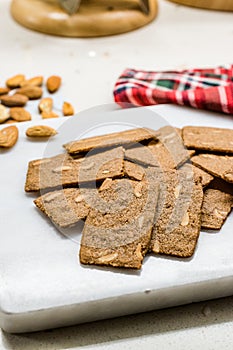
(94, 18)
(224, 5)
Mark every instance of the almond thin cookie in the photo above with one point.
(65, 171)
(216, 165)
(208, 138)
(117, 232)
(178, 217)
(168, 153)
(64, 207)
(215, 209)
(109, 140)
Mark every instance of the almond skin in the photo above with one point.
(10, 121)
(45, 105)
(67, 109)
(53, 83)
(35, 81)
(4, 90)
(4, 114)
(48, 115)
(40, 131)
(15, 81)
(16, 100)
(8, 136)
(32, 92)
(20, 114)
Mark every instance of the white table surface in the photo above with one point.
(180, 37)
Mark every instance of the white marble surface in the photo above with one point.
(180, 37)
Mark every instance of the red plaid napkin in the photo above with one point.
(210, 89)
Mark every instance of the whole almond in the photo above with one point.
(40, 131)
(48, 115)
(15, 81)
(53, 83)
(67, 109)
(45, 105)
(20, 114)
(32, 92)
(16, 100)
(4, 114)
(4, 90)
(8, 136)
(35, 81)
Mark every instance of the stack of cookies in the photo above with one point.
(138, 191)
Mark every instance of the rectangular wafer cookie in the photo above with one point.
(118, 231)
(178, 218)
(208, 139)
(110, 140)
(66, 171)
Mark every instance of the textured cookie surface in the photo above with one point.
(204, 176)
(109, 140)
(220, 166)
(118, 231)
(133, 171)
(168, 152)
(208, 138)
(64, 170)
(64, 207)
(216, 207)
(178, 218)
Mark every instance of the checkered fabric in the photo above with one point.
(210, 89)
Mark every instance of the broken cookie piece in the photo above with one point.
(133, 171)
(208, 138)
(219, 166)
(215, 209)
(167, 152)
(204, 176)
(66, 171)
(64, 207)
(118, 231)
